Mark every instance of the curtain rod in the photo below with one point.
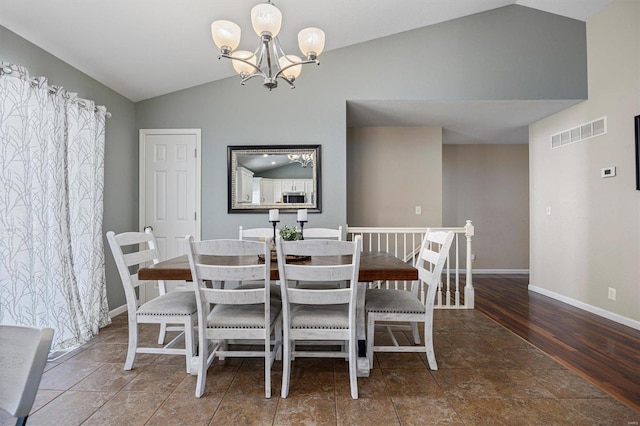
(4, 69)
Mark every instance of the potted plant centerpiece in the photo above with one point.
(289, 233)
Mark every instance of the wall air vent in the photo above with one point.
(585, 131)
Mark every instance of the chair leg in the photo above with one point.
(133, 344)
(428, 344)
(188, 343)
(353, 369)
(203, 355)
(415, 333)
(267, 366)
(22, 421)
(223, 347)
(286, 367)
(371, 324)
(163, 333)
(278, 339)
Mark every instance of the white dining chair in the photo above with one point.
(320, 315)
(324, 233)
(173, 311)
(238, 314)
(23, 356)
(256, 233)
(393, 306)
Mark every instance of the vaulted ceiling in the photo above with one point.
(146, 48)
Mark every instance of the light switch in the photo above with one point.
(418, 209)
(548, 210)
(608, 172)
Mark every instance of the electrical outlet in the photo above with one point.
(473, 257)
(612, 293)
(418, 209)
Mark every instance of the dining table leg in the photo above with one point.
(361, 332)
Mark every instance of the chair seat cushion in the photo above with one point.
(392, 301)
(320, 316)
(242, 316)
(174, 303)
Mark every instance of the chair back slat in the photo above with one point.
(228, 248)
(131, 238)
(316, 248)
(319, 297)
(234, 297)
(429, 256)
(319, 273)
(230, 273)
(439, 237)
(256, 233)
(140, 257)
(323, 233)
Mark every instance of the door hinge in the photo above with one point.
(195, 215)
(195, 152)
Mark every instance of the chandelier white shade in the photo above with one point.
(269, 60)
(266, 18)
(226, 35)
(311, 41)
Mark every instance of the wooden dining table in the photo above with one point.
(374, 266)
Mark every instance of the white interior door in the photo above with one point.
(170, 191)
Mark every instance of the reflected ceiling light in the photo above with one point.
(269, 60)
(303, 159)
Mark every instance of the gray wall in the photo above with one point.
(121, 145)
(390, 171)
(508, 53)
(489, 184)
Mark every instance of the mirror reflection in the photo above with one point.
(266, 177)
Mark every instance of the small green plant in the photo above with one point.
(290, 234)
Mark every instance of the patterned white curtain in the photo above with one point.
(51, 206)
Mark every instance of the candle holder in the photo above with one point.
(302, 222)
(274, 223)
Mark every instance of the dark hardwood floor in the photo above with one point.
(600, 350)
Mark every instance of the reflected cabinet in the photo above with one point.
(286, 177)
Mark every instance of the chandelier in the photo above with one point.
(303, 159)
(269, 60)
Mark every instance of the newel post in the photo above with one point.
(468, 288)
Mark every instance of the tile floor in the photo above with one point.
(486, 375)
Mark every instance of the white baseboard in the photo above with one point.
(500, 271)
(117, 311)
(594, 310)
(463, 272)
